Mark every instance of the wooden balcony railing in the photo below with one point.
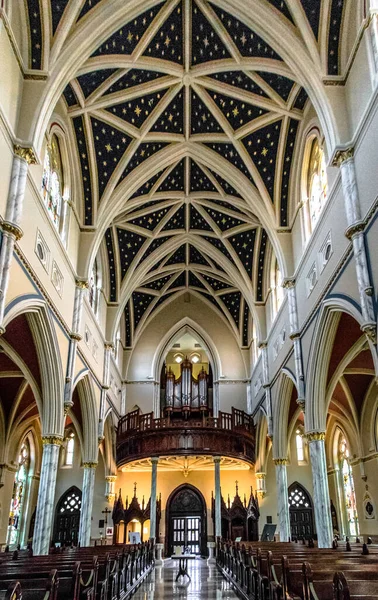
(142, 436)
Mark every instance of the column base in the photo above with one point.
(159, 562)
(211, 560)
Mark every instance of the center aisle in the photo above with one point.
(206, 582)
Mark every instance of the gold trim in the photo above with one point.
(260, 476)
(358, 227)
(342, 155)
(36, 76)
(280, 462)
(111, 478)
(108, 346)
(13, 229)
(302, 404)
(295, 335)
(315, 436)
(288, 283)
(26, 154)
(90, 465)
(52, 439)
(82, 284)
(76, 336)
(370, 330)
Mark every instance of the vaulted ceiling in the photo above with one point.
(188, 82)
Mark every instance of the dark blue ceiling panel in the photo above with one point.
(262, 146)
(110, 145)
(69, 95)
(288, 160)
(132, 78)
(202, 120)
(194, 281)
(215, 284)
(280, 84)
(206, 44)
(197, 221)
(180, 281)
(141, 303)
(301, 99)
(111, 265)
(281, 6)
(219, 245)
(334, 34)
(232, 303)
(178, 257)
(128, 332)
(246, 40)
(88, 5)
(154, 245)
(229, 153)
(137, 110)
(129, 244)
(244, 245)
(157, 284)
(195, 257)
(152, 220)
(143, 152)
(199, 181)
(175, 180)
(240, 80)
(89, 82)
(227, 187)
(236, 112)
(260, 266)
(168, 42)
(223, 220)
(172, 118)
(312, 10)
(245, 331)
(146, 188)
(35, 32)
(81, 141)
(57, 10)
(177, 221)
(126, 39)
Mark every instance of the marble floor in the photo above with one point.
(206, 582)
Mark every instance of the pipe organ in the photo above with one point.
(186, 394)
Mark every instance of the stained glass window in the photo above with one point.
(317, 184)
(349, 495)
(70, 449)
(298, 498)
(18, 495)
(52, 181)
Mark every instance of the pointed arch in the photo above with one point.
(90, 417)
(281, 407)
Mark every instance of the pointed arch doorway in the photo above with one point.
(301, 512)
(186, 520)
(67, 517)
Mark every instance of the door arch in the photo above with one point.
(67, 517)
(301, 512)
(186, 518)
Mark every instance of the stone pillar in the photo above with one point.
(289, 285)
(154, 462)
(216, 398)
(123, 398)
(218, 517)
(249, 398)
(29, 509)
(211, 547)
(266, 385)
(260, 485)
(11, 225)
(87, 503)
(110, 488)
(46, 494)
(355, 232)
(283, 499)
(322, 504)
(81, 288)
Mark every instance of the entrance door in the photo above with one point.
(301, 517)
(186, 520)
(67, 517)
(187, 533)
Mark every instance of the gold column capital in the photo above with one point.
(90, 465)
(111, 478)
(280, 462)
(82, 284)
(289, 282)
(315, 436)
(13, 229)
(26, 154)
(52, 439)
(342, 155)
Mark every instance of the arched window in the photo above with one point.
(317, 185)
(18, 495)
(70, 448)
(347, 488)
(93, 288)
(299, 445)
(52, 181)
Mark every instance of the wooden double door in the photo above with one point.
(67, 517)
(301, 512)
(186, 521)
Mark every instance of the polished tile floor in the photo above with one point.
(206, 582)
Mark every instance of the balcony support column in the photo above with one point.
(218, 523)
(154, 462)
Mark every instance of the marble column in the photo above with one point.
(218, 518)
(289, 285)
(260, 485)
(154, 463)
(11, 229)
(355, 232)
(266, 385)
(110, 487)
(249, 397)
(87, 503)
(322, 504)
(80, 290)
(283, 499)
(374, 37)
(46, 494)
(123, 398)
